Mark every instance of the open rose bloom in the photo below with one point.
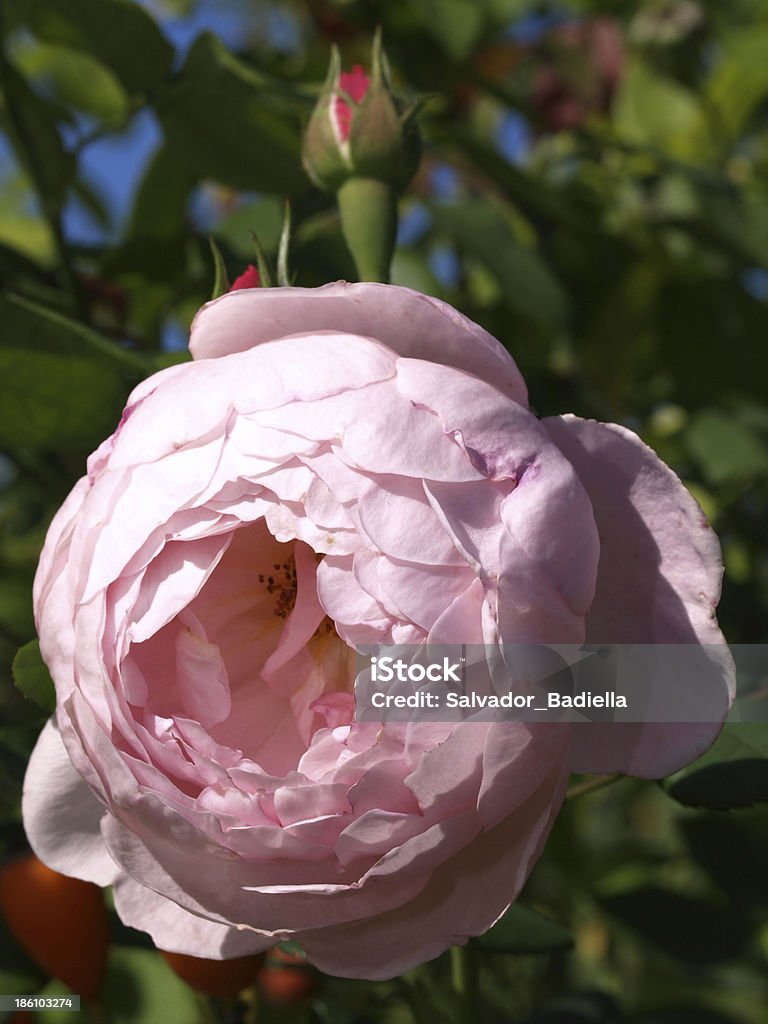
(349, 465)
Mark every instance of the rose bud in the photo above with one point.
(359, 128)
(61, 922)
(362, 143)
(342, 466)
(250, 278)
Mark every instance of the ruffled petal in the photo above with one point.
(406, 321)
(62, 816)
(658, 583)
(178, 931)
(464, 897)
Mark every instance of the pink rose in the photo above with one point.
(352, 464)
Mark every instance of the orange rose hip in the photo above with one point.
(60, 922)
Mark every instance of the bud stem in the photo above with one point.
(368, 211)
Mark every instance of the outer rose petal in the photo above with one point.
(62, 816)
(408, 322)
(62, 523)
(658, 583)
(176, 930)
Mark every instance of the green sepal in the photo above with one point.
(220, 279)
(283, 276)
(262, 263)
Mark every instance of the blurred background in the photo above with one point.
(594, 191)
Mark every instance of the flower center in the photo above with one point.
(253, 658)
(281, 583)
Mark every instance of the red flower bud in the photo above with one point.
(355, 84)
(360, 129)
(250, 278)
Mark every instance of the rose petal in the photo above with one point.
(62, 816)
(178, 931)
(470, 890)
(406, 321)
(658, 583)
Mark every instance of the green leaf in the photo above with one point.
(725, 448)
(651, 109)
(64, 385)
(139, 986)
(732, 774)
(697, 321)
(163, 360)
(55, 401)
(77, 79)
(262, 217)
(160, 205)
(31, 124)
(740, 81)
(31, 676)
(29, 236)
(16, 604)
(534, 195)
(97, 206)
(228, 123)
(456, 25)
(735, 221)
(530, 289)
(28, 325)
(504, 11)
(15, 750)
(155, 251)
(581, 1008)
(734, 852)
(118, 33)
(410, 271)
(694, 930)
(681, 1015)
(522, 930)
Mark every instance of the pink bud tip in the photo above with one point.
(248, 279)
(355, 84)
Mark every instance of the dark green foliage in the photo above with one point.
(31, 676)
(522, 930)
